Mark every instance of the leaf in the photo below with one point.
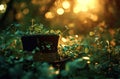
(29, 57)
(81, 64)
(64, 73)
(86, 49)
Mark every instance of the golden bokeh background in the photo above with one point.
(80, 16)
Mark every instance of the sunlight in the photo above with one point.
(66, 5)
(84, 5)
(86, 58)
(49, 15)
(93, 17)
(64, 39)
(60, 11)
(3, 8)
(57, 72)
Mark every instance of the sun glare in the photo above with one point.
(84, 5)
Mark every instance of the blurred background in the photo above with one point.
(79, 16)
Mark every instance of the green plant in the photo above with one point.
(94, 56)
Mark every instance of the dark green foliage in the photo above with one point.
(94, 57)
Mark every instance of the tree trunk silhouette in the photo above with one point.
(9, 16)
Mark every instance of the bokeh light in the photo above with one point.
(76, 14)
(86, 58)
(49, 15)
(66, 5)
(93, 17)
(26, 11)
(3, 8)
(60, 11)
(84, 5)
(19, 16)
